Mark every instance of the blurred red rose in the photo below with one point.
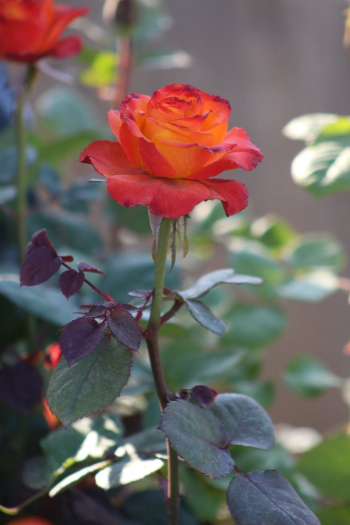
(31, 29)
(53, 355)
(169, 146)
(30, 520)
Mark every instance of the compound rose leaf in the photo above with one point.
(124, 327)
(268, 499)
(70, 282)
(80, 337)
(39, 265)
(90, 384)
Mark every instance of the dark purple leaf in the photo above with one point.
(80, 337)
(124, 327)
(95, 311)
(70, 282)
(127, 307)
(203, 394)
(85, 267)
(41, 264)
(21, 386)
(41, 238)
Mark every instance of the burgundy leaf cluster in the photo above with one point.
(41, 262)
(203, 394)
(21, 386)
(81, 336)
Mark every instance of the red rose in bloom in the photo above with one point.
(30, 520)
(31, 29)
(169, 146)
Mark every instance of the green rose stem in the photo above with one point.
(154, 355)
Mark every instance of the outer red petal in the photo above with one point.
(67, 47)
(244, 155)
(232, 193)
(164, 197)
(108, 159)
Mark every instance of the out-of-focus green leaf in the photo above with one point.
(8, 162)
(102, 71)
(316, 251)
(54, 151)
(253, 326)
(91, 384)
(78, 197)
(42, 301)
(308, 377)
(152, 22)
(334, 515)
(50, 179)
(276, 457)
(89, 437)
(252, 258)
(66, 111)
(165, 59)
(127, 470)
(324, 167)
(308, 127)
(327, 467)
(312, 287)
(262, 391)
(67, 230)
(7, 193)
(204, 500)
(273, 231)
(132, 271)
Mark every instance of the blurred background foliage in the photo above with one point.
(95, 471)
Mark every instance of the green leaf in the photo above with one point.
(276, 457)
(89, 437)
(262, 391)
(253, 258)
(203, 499)
(308, 127)
(42, 301)
(164, 59)
(150, 441)
(9, 162)
(66, 111)
(71, 479)
(202, 435)
(254, 326)
(67, 230)
(273, 231)
(308, 377)
(201, 313)
(324, 168)
(54, 151)
(91, 384)
(7, 193)
(78, 197)
(312, 287)
(127, 470)
(102, 71)
(208, 281)
(50, 179)
(334, 516)
(327, 468)
(266, 498)
(316, 251)
(132, 271)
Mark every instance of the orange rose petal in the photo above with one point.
(232, 193)
(144, 153)
(169, 198)
(108, 159)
